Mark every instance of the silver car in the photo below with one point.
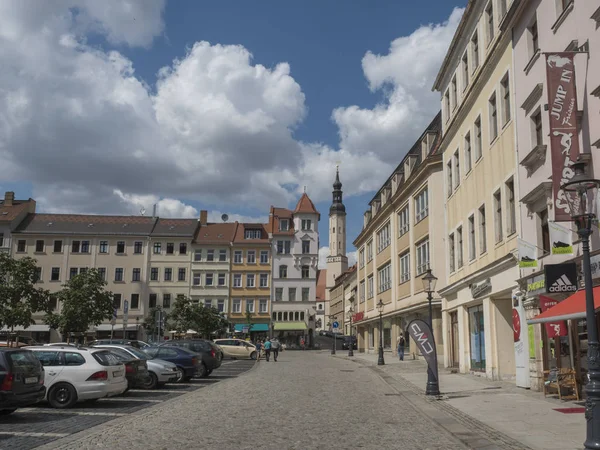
(161, 371)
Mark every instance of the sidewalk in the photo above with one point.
(523, 415)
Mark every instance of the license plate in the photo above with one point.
(31, 380)
(118, 373)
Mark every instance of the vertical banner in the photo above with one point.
(564, 139)
(528, 254)
(521, 340)
(561, 239)
(554, 329)
(422, 335)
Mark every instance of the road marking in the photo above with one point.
(63, 411)
(31, 434)
(152, 391)
(128, 399)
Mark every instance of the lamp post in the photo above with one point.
(433, 386)
(581, 195)
(351, 344)
(380, 360)
(332, 318)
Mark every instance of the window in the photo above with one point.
(37, 276)
(221, 279)
(534, 39)
(302, 315)
(181, 274)
(170, 248)
(306, 225)
(223, 255)
(39, 246)
(166, 300)
(475, 51)
(449, 178)
(252, 234)
(285, 313)
(136, 274)
(208, 303)
(137, 247)
(83, 270)
(305, 247)
(55, 274)
(118, 274)
(197, 255)
(385, 278)
(454, 94)
(196, 278)
(21, 245)
(305, 272)
(370, 251)
(250, 280)
(168, 274)
(498, 215)
(208, 279)
(383, 238)
(456, 169)
(477, 135)
(292, 294)
(237, 280)
(482, 231)
(459, 247)
(511, 207)
(493, 110)
(264, 257)
(489, 22)
(102, 273)
(468, 152)
(250, 305)
(536, 128)
(362, 291)
(75, 246)
(53, 302)
(305, 294)
(451, 252)
(405, 267)
(361, 258)
(117, 301)
(251, 257)
(153, 274)
(210, 255)
(283, 247)
(279, 294)
(157, 248)
(505, 89)
(465, 70)
(262, 306)
(282, 271)
(73, 272)
(403, 221)
(545, 234)
(472, 251)
(237, 257)
(422, 257)
(183, 248)
(264, 280)
(370, 287)
(135, 301)
(284, 225)
(447, 105)
(85, 246)
(103, 248)
(57, 246)
(152, 301)
(421, 206)
(221, 305)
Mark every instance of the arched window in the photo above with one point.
(301, 315)
(285, 315)
(297, 316)
(274, 316)
(279, 316)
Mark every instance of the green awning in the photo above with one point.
(289, 326)
(239, 327)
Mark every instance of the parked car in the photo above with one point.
(159, 371)
(132, 342)
(346, 343)
(61, 344)
(189, 362)
(237, 348)
(136, 370)
(21, 379)
(78, 374)
(211, 353)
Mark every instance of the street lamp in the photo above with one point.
(380, 361)
(351, 344)
(332, 318)
(581, 195)
(433, 386)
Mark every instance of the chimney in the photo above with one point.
(9, 198)
(203, 217)
(154, 210)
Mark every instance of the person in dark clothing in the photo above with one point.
(267, 349)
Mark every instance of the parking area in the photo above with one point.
(28, 428)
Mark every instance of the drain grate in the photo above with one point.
(391, 395)
(346, 370)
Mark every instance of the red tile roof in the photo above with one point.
(240, 234)
(86, 224)
(274, 218)
(9, 213)
(216, 233)
(321, 284)
(305, 205)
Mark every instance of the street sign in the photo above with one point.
(336, 324)
(126, 306)
(245, 329)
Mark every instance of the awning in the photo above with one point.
(239, 327)
(29, 328)
(289, 326)
(571, 308)
(118, 327)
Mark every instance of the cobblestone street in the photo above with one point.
(306, 400)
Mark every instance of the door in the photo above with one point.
(53, 363)
(454, 360)
(227, 347)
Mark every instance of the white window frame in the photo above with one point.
(422, 256)
(403, 221)
(250, 305)
(383, 238)
(281, 225)
(197, 255)
(472, 238)
(211, 277)
(251, 257)
(197, 278)
(238, 257)
(222, 276)
(263, 305)
(250, 280)
(405, 267)
(422, 205)
(370, 287)
(384, 278)
(221, 253)
(236, 305)
(237, 280)
(265, 254)
(263, 277)
(370, 251)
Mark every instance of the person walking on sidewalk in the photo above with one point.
(275, 348)
(401, 343)
(267, 349)
(258, 349)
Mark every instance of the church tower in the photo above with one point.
(337, 262)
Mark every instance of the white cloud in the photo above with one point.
(324, 253)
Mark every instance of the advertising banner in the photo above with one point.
(561, 278)
(527, 254)
(564, 140)
(421, 333)
(561, 239)
(521, 339)
(554, 329)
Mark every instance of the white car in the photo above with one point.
(76, 374)
(236, 348)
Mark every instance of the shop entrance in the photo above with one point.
(454, 362)
(477, 338)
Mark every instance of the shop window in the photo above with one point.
(545, 234)
(477, 338)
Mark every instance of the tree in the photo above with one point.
(84, 302)
(20, 299)
(150, 321)
(187, 315)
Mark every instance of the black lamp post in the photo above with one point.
(581, 195)
(332, 318)
(380, 360)
(433, 386)
(351, 343)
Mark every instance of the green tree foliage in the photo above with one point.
(150, 321)
(187, 315)
(84, 303)
(19, 297)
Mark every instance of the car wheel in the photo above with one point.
(151, 381)
(6, 412)
(253, 355)
(62, 395)
(179, 375)
(203, 371)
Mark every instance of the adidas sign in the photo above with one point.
(563, 284)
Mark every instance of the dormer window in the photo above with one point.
(252, 234)
(284, 225)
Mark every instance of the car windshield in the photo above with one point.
(106, 358)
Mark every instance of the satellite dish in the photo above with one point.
(143, 211)
(224, 217)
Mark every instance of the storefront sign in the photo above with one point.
(528, 254)
(358, 316)
(554, 329)
(564, 141)
(536, 285)
(561, 278)
(561, 239)
(420, 332)
(521, 340)
(478, 289)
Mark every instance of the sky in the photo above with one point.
(111, 107)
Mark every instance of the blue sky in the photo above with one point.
(323, 42)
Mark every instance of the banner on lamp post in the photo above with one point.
(561, 239)
(564, 138)
(528, 255)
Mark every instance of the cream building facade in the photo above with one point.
(12, 213)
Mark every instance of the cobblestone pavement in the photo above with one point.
(306, 400)
(29, 428)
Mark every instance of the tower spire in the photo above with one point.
(337, 205)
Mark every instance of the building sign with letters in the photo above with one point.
(421, 333)
(478, 289)
(561, 278)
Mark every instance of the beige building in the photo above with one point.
(341, 297)
(481, 217)
(12, 213)
(402, 238)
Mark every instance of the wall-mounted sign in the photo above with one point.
(358, 316)
(553, 329)
(561, 278)
(478, 289)
(536, 285)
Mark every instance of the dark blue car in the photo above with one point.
(189, 362)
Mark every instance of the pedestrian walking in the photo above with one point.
(258, 349)
(267, 349)
(275, 348)
(302, 343)
(401, 343)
